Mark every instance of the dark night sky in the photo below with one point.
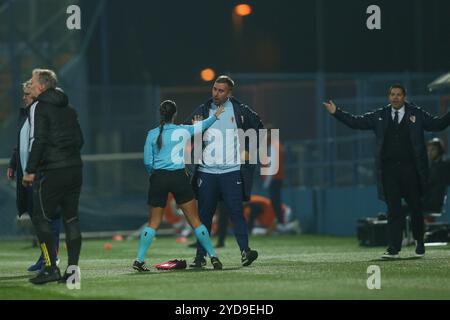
(169, 42)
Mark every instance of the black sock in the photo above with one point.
(73, 241)
(73, 250)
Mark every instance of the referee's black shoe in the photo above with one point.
(199, 262)
(390, 254)
(248, 256)
(140, 266)
(216, 263)
(47, 274)
(420, 249)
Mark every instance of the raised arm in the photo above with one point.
(362, 122)
(200, 126)
(434, 123)
(194, 115)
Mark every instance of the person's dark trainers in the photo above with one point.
(198, 262)
(216, 263)
(40, 263)
(48, 274)
(420, 249)
(140, 266)
(220, 245)
(248, 256)
(66, 276)
(389, 254)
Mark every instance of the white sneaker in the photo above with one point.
(388, 255)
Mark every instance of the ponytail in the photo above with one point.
(159, 141)
(166, 110)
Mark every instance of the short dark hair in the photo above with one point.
(225, 79)
(398, 86)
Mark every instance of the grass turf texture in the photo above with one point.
(288, 267)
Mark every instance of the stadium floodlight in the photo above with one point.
(207, 74)
(243, 10)
(443, 82)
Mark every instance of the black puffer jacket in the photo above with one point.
(56, 137)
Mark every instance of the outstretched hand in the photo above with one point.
(330, 106)
(219, 111)
(196, 119)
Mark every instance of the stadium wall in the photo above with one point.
(335, 211)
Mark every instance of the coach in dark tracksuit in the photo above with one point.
(401, 160)
(230, 181)
(19, 158)
(54, 169)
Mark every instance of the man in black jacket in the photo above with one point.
(19, 158)
(54, 169)
(400, 158)
(228, 180)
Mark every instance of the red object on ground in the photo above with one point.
(172, 264)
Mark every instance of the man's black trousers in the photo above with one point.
(402, 181)
(52, 189)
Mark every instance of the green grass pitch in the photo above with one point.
(288, 267)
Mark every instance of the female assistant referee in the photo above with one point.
(164, 161)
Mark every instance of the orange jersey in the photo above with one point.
(280, 173)
(279, 158)
(170, 216)
(267, 217)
